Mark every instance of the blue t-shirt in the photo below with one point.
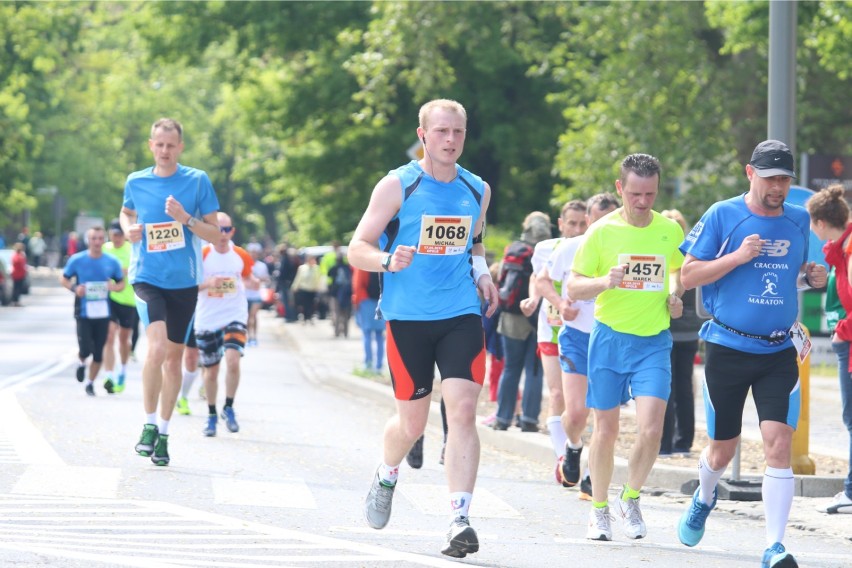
(438, 218)
(760, 296)
(93, 274)
(169, 254)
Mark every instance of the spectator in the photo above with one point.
(36, 247)
(19, 272)
(287, 268)
(306, 285)
(679, 423)
(365, 299)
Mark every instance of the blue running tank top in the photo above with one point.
(760, 296)
(438, 219)
(169, 254)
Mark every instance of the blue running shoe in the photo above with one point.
(210, 430)
(119, 385)
(230, 419)
(690, 528)
(776, 556)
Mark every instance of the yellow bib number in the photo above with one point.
(163, 237)
(444, 235)
(226, 287)
(644, 272)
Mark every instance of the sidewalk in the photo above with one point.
(329, 359)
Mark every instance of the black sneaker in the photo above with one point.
(161, 451)
(90, 388)
(109, 386)
(571, 467)
(585, 489)
(461, 539)
(147, 440)
(529, 427)
(415, 454)
(81, 373)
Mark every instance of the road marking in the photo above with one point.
(28, 444)
(70, 481)
(157, 534)
(290, 494)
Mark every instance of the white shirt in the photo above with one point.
(217, 307)
(559, 267)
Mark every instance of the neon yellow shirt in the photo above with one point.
(126, 297)
(640, 306)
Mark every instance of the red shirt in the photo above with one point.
(19, 265)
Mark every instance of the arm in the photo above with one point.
(484, 283)
(131, 228)
(675, 301)
(206, 228)
(813, 275)
(363, 251)
(71, 284)
(695, 272)
(581, 287)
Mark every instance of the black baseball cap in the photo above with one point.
(772, 158)
(115, 227)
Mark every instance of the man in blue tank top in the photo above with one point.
(423, 231)
(749, 255)
(168, 210)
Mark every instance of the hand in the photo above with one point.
(80, 290)
(489, 292)
(675, 305)
(134, 233)
(750, 248)
(568, 311)
(817, 276)
(528, 306)
(175, 210)
(401, 258)
(615, 276)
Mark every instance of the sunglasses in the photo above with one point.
(226, 230)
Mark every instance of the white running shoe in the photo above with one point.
(631, 517)
(841, 504)
(600, 524)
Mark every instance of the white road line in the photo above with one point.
(76, 481)
(28, 443)
(434, 500)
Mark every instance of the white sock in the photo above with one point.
(164, 427)
(557, 435)
(778, 488)
(123, 368)
(388, 473)
(188, 379)
(574, 446)
(460, 504)
(151, 418)
(707, 478)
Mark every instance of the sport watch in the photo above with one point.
(192, 221)
(386, 262)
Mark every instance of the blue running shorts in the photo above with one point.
(573, 351)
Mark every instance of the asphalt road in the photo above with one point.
(288, 489)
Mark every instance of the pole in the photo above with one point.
(781, 123)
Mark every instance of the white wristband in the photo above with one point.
(480, 267)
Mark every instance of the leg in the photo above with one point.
(152, 369)
(462, 452)
(841, 349)
(649, 421)
(602, 451)
(531, 399)
(507, 391)
(172, 376)
(109, 348)
(232, 372)
(683, 394)
(211, 383)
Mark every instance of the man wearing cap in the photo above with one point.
(122, 310)
(749, 255)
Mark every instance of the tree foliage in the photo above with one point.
(296, 109)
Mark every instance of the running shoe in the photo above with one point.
(109, 386)
(183, 406)
(81, 373)
(690, 527)
(210, 430)
(461, 539)
(230, 419)
(415, 454)
(558, 472)
(119, 385)
(161, 452)
(571, 467)
(90, 388)
(631, 516)
(147, 440)
(600, 524)
(776, 556)
(377, 508)
(841, 504)
(585, 489)
(202, 394)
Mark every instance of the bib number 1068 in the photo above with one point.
(446, 232)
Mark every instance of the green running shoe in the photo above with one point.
(161, 452)
(147, 440)
(119, 386)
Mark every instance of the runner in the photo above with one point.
(261, 275)
(91, 276)
(122, 309)
(440, 207)
(629, 262)
(220, 319)
(577, 320)
(160, 216)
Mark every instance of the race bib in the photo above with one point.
(163, 237)
(801, 341)
(551, 312)
(96, 291)
(227, 287)
(644, 272)
(444, 235)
